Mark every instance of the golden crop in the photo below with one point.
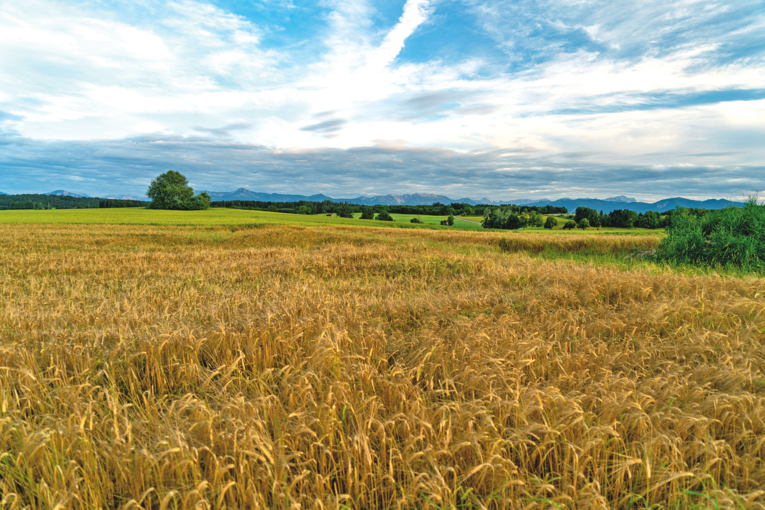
(325, 367)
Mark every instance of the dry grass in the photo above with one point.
(287, 367)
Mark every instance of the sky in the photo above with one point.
(465, 98)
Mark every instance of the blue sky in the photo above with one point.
(468, 98)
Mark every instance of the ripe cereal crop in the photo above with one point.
(354, 367)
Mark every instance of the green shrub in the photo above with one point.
(728, 237)
(384, 216)
(415, 220)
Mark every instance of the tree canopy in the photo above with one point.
(171, 190)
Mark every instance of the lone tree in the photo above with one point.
(584, 224)
(550, 223)
(569, 225)
(171, 190)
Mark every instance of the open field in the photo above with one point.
(343, 366)
(237, 217)
(211, 217)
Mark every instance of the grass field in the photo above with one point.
(344, 366)
(237, 217)
(425, 219)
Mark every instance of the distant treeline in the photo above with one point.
(346, 210)
(623, 218)
(62, 202)
(512, 218)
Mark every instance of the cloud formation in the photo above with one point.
(493, 173)
(364, 96)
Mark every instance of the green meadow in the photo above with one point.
(210, 217)
(237, 217)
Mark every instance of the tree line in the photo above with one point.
(346, 210)
(623, 218)
(512, 218)
(37, 201)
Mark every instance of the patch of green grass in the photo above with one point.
(210, 217)
(426, 220)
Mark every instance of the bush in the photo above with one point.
(551, 223)
(584, 224)
(569, 225)
(450, 220)
(730, 237)
(384, 216)
(415, 220)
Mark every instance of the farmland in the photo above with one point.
(159, 359)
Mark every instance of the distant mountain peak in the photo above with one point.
(64, 193)
(621, 198)
(126, 197)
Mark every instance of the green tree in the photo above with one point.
(171, 190)
(415, 220)
(584, 224)
(450, 220)
(569, 225)
(550, 223)
(651, 219)
(367, 213)
(622, 218)
(535, 219)
(384, 216)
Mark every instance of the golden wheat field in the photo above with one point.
(327, 367)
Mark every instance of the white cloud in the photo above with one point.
(73, 72)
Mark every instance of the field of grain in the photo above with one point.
(354, 367)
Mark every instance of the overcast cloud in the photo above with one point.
(468, 98)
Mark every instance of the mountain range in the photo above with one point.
(667, 204)
(126, 197)
(606, 205)
(415, 199)
(64, 193)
